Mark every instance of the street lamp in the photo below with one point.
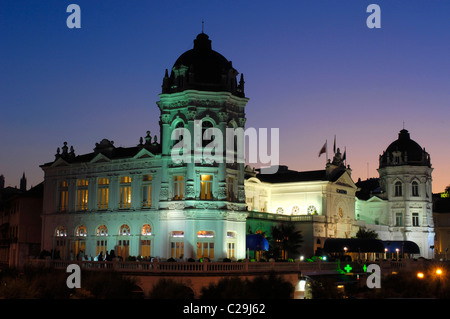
(420, 275)
(396, 249)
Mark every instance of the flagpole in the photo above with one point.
(326, 149)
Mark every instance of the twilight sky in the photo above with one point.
(312, 69)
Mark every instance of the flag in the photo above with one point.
(334, 145)
(344, 157)
(323, 149)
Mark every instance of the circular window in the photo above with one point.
(280, 210)
(295, 210)
(311, 210)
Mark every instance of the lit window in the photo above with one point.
(146, 248)
(178, 187)
(206, 187)
(124, 230)
(124, 248)
(177, 244)
(63, 196)
(82, 194)
(103, 193)
(61, 231)
(146, 230)
(147, 191)
(81, 231)
(125, 192)
(102, 231)
(205, 244)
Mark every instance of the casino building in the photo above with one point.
(138, 201)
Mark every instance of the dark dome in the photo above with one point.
(202, 68)
(404, 151)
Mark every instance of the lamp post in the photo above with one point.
(385, 253)
(396, 249)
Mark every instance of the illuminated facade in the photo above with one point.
(400, 207)
(138, 201)
(320, 203)
(328, 204)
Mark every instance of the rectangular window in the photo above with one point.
(102, 247)
(231, 249)
(124, 248)
(205, 249)
(399, 219)
(176, 249)
(103, 193)
(205, 187)
(398, 189)
(82, 194)
(230, 189)
(178, 187)
(125, 192)
(146, 248)
(415, 189)
(415, 219)
(147, 191)
(63, 196)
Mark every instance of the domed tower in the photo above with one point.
(202, 197)
(405, 179)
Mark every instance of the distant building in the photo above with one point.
(20, 224)
(441, 214)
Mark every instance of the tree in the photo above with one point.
(364, 233)
(286, 241)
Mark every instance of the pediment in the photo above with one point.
(100, 158)
(60, 162)
(346, 180)
(144, 153)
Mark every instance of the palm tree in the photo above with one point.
(286, 241)
(364, 233)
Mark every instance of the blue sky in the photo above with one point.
(312, 69)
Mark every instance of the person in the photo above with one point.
(100, 256)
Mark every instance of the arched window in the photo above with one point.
(61, 231)
(124, 230)
(61, 242)
(102, 231)
(398, 189)
(207, 135)
(146, 230)
(81, 231)
(415, 189)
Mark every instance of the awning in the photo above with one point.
(403, 246)
(356, 245)
(256, 242)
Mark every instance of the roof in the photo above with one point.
(107, 149)
(403, 246)
(411, 153)
(362, 245)
(202, 68)
(284, 175)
